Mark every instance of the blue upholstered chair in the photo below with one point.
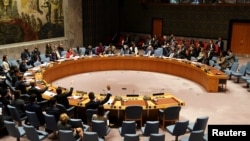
(127, 127)
(178, 129)
(150, 127)
(33, 134)
(199, 124)
(13, 130)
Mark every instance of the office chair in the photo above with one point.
(131, 137)
(100, 127)
(127, 127)
(169, 114)
(194, 136)
(150, 127)
(13, 130)
(199, 124)
(67, 135)
(33, 134)
(156, 137)
(178, 129)
(91, 136)
(33, 119)
(15, 115)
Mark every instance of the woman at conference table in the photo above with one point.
(70, 53)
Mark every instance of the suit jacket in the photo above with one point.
(23, 67)
(221, 44)
(93, 104)
(21, 85)
(20, 106)
(38, 92)
(53, 110)
(34, 107)
(63, 98)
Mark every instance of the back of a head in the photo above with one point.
(32, 98)
(17, 94)
(52, 101)
(59, 90)
(32, 83)
(64, 118)
(91, 95)
(100, 110)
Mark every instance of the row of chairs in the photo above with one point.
(34, 134)
(128, 127)
(239, 72)
(19, 131)
(196, 129)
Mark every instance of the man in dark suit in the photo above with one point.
(19, 103)
(52, 109)
(37, 91)
(94, 103)
(62, 98)
(21, 84)
(34, 107)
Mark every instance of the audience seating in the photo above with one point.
(33, 134)
(91, 136)
(89, 114)
(33, 119)
(178, 129)
(169, 114)
(127, 127)
(51, 124)
(63, 54)
(15, 115)
(248, 82)
(194, 136)
(43, 104)
(44, 59)
(156, 137)
(70, 111)
(76, 123)
(131, 137)
(150, 127)
(67, 135)
(239, 73)
(158, 52)
(25, 97)
(37, 63)
(199, 124)
(13, 130)
(205, 137)
(100, 127)
(234, 67)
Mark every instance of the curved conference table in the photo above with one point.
(208, 77)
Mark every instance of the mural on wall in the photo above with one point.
(30, 20)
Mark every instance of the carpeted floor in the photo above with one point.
(230, 107)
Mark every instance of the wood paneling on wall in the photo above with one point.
(204, 20)
(240, 42)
